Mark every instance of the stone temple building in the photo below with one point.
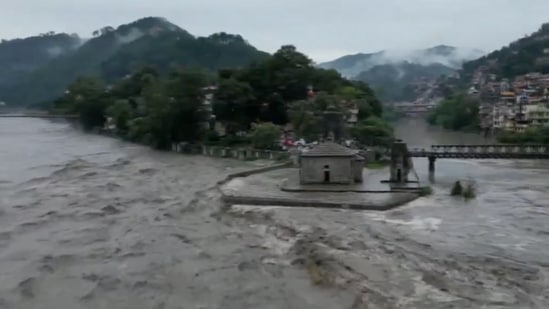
(331, 163)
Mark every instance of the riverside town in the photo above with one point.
(367, 154)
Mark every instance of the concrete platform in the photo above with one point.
(266, 189)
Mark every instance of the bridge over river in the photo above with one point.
(483, 152)
(527, 152)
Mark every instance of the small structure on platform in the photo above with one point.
(333, 123)
(401, 162)
(331, 163)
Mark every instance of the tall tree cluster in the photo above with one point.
(158, 109)
(144, 108)
(276, 90)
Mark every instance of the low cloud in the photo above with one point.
(133, 34)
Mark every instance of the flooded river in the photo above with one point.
(91, 222)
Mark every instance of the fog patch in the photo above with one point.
(453, 58)
(133, 34)
(55, 51)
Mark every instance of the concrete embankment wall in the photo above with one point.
(255, 171)
(231, 152)
(259, 201)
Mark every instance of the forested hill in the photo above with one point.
(19, 57)
(395, 82)
(529, 54)
(403, 75)
(114, 53)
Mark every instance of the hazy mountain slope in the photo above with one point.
(172, 49)
(529, 54)
(402, 75)
(403, 81)
(352, 65)
(114, 53)
(20, 56)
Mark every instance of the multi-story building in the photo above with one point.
(516, 105)
(207, 107)
(537, 114)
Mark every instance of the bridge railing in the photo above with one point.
(490, 149)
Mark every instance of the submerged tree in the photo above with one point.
(457, 189)
(469, 192)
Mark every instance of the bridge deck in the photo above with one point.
(533, 152)
(442, 155)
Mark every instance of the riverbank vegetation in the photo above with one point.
(457, 189)
(426, 191)
(377, 165)
(530, 136)
(467, 192)
(457, 112)
(252, 104)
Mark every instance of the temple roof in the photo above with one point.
(330, 149)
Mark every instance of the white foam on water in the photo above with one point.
(235, 184)
(416, 223)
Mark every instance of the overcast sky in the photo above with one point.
(323, 29)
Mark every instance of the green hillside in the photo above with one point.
(529, 54)
(394, 82)
(115, 53)
(19, 57)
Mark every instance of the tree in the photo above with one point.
(121, 112)
(186, 91)
(457, 189)
(368, 94)
(349, 93)
(266, 136)
(156, 128)
(275, 110)
(87, 98)
(92, 112)
(363, 98)
(106, 30)
(372, 132)
(307, 116)
(532, 135)
(160, 108)
(306, 123)
(133, 86)
(458, 112)
(235, 103)
(174, 109)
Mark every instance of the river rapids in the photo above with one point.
(92, 222)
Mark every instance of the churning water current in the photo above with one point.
(92, 222)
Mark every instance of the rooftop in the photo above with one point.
(330, 149)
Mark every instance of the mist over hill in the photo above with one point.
(19, 57)
(403, 75)
(452, 57)
(112, 53)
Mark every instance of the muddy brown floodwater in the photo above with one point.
(92, 222)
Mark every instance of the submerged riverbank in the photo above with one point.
(93, 222)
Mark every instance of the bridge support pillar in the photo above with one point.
(432, 165)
